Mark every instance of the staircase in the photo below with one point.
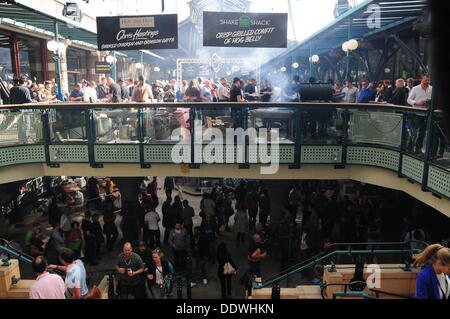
(8, 276)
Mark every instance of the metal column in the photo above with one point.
(57, 59)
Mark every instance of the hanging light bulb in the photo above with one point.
(283, 69)
(109, 59)
(156, 69)
(295, 65)
(315, 58)
(345, 46)
(52, 45)
(352, 44)
(138, 66)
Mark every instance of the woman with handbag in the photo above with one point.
(226, 269)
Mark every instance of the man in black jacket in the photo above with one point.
(90, 240)
(400, 94)
(20, 94)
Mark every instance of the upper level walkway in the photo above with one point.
(371, 143)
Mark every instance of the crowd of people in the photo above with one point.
(194, 249)
(403, 92)
(160, 237)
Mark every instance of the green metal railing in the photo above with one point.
(312, 133)
(274, 281)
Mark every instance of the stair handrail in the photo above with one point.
(5, 247)
(325, 256)
(378, 291)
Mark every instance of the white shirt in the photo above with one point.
(223, 91)
(152, 219)
(444, 285)
(89, 93)
(76, 278)
(418, 94)
(276, 94)
(351, 94)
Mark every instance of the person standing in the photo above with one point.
(168, 218)
(266, 92)
(90, 93)
(157, 270)
(350, 91)
(252, 206)
(240, 223)
(57, 241)
(123, 90)
(115, 91)
(77, 94)
(47, 286)
(168, 186)
(75, 274)
(433, 282)
(142, 92)
(187, 214)
(19, 93)
(409, 84)
(129, 266)
(151, 220)
(201, 253)
(152, 189)
(109, 226)
(74, 238)
(89, 238)
(366, 94)
(223, 91)
(102, 89)
(400, 94)
(420, 96)
(256, 253)
(223, 258)
(98, 233)
(264, 204)
(295, 196)
(236, 92)
(180, 243)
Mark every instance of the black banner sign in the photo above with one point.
(102, 67)
(233, 29)
(137, 32)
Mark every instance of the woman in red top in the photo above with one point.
(74, 239)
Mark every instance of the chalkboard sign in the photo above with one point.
(234, 29)
(137, 32)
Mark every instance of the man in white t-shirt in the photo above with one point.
(223, 91)
(151, 219)
(90, 93)
(75, 274)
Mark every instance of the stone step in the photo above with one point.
(20, 290)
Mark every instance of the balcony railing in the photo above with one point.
(408, 141)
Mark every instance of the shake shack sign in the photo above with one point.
(232, 29)
(137, 32)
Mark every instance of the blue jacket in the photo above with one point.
(427, 286)
(366, 95)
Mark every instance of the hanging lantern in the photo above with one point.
(352, 45)
(52, 45)
(345, 46)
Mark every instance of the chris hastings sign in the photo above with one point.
(137, 32)
(234, 29)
